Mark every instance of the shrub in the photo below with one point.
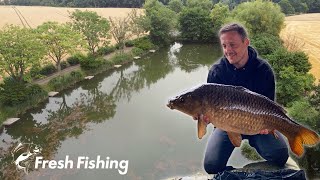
(14, 93)
(120, 58)
(35, 72)
(282, 58)
(64, 64)
(266, 43)
(129, 43)
(75, 59)
(144, 43)
(196, 24)
(91, 62)
(106, 50)
(249, 152)
(136, 51)
(61, 82)
(48, 69)
(303, 112)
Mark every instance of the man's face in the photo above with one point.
(234, 48)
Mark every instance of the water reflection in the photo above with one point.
(121, 113)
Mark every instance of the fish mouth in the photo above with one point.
(169, 105)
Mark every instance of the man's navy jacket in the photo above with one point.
(256, 75)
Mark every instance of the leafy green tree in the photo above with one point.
(259, 17)
(161, 21)
(218, 15)
(292, 85)
(303, 112)
(93, 27)
(175, 5)
(60, 40)
(283, 58)
(265, 44)
(299, 6)
(203, 4)
(286, 7)
(20, 49)
(314, 6)
(196, 24)
(314, 97)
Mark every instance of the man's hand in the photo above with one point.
(202, 117)
(264, 131)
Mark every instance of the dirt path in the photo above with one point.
(73, 68)
(306, 28)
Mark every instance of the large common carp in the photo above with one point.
(237, 111)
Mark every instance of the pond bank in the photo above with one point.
(9, 112)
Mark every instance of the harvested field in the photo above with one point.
(306, 29)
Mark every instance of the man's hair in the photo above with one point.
(234, 27)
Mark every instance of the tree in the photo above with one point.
(120, 27)
(60, 40)
(196, 24)
(218, 15)
(299, 6)
(292, 85)
(93, 27)
(283, 58)
(303, 112)
(137, 23)
(259, 17)
(175, 5)
(314, 97)
(265, 44)
(20, 49)
(161, 21)
(202, 4)
(286, 7)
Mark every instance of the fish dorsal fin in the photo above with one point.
(235, 138)
(240, 88)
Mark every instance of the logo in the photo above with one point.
(27, 156)
(24, 155)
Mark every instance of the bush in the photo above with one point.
(61, 82)
(106, 50)
(91, 62)
(283, 58)
(35, 72)
(64, 64)
(266, 43)
(48, 69)
(129, 43)
(144, 43)
(75, 59)
(250, 152)
(259, 17)
(136, 51)
(14, 93)
(120, 58)
(196, 24)
(303, 112)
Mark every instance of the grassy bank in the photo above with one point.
(90, 65)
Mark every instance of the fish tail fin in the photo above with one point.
(304, 136)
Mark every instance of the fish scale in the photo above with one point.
(237, 111)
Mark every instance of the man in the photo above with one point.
(240, 66)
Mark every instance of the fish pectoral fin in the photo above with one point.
(202, 128)
(235, 138)
(275, 134)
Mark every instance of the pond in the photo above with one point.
(120, 116)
